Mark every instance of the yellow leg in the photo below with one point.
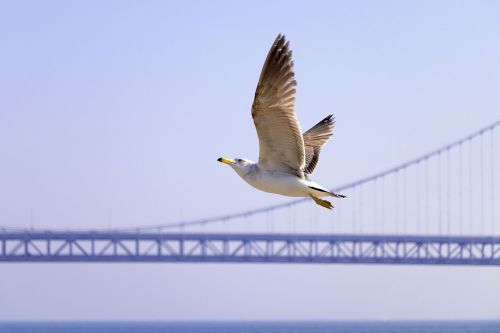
(321, 202)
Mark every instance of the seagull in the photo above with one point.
(286, 156)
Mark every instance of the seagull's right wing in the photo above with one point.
(280, 140)
(314, 139)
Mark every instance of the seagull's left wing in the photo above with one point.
(314, 139)
(280, 139)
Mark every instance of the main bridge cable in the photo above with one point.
(223, 218)
(341, 188)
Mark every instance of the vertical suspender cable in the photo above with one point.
(470, 188)
(481, 181)
(417, 180)
(439, 180)
(448, 193)
(396, 187)
(460, 190)
(382, 204)
(426, 195)
(353, 210)
(375, 203)
(334, 219)
(493, 180)
(360, 211)
(339, 219)
(405, 218)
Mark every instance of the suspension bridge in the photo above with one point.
(438, 209)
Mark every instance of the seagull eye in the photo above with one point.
(239, 160)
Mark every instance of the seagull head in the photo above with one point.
(238, 164)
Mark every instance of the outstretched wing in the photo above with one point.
(314, 139)
(280, 140)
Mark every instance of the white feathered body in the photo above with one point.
(279, 182)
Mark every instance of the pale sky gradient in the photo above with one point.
(112, 114)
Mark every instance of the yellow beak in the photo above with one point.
(225, 160)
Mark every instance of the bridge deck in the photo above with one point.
(247, 248)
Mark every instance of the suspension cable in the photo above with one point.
(341, 188)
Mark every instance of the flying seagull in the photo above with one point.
(287, 157)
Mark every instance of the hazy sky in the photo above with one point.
(112, 114)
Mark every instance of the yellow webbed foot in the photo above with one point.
(321, 202)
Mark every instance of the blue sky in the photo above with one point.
(112, 114)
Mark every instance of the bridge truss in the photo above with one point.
(240, 248)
